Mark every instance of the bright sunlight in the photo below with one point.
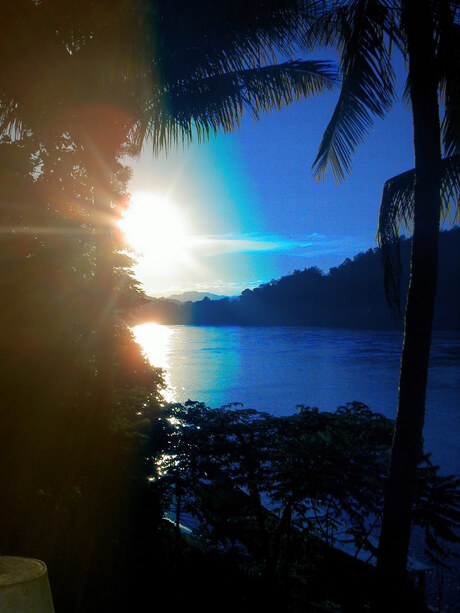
(155, 227)
(155, 341)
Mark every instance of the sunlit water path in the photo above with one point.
(155, 341)
(274, 369)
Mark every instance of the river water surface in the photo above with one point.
(275, 369)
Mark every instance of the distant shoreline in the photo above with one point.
(398, 329)
(350, 296)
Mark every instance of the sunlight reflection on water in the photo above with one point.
(155, 341)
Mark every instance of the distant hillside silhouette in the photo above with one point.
(194, 296)
(348, 296)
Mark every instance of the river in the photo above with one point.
(275, 369)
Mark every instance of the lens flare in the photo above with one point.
(155, 228)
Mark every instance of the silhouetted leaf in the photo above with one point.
(357, 29)
(397, 213)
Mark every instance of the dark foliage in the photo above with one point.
(70, 485)
(285, 498)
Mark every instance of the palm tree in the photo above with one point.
(427, 34)
(113, 75)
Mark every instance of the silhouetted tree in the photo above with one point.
(48, 443)
(351, 295)
(179, 74)
(269, 489)
(107, 76)
(427, 34)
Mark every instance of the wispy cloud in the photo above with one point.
(228, 286)
(217, 286)
(312, 245)
(245, 265)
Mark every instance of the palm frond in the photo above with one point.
(358, 28)
(205, 106)
(397, 213)
(220, 36)
(448, 59)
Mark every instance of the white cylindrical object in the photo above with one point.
(24, 586)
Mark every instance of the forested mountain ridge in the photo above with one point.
(349, 296)
(194, 296)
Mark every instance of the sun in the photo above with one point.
(155, 227)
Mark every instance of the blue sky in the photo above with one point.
(253, 206)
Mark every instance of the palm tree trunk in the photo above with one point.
(407, 443)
